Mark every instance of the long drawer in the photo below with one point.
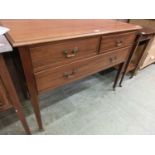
(60, 53)
(55, 77)
(116, 41)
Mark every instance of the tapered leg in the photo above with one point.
(129, 59)
(7, 81)
(118, 75)
(139, 60)
(31, 83)
(23, 120)
(35, 104)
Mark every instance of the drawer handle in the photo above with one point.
(73, 52)
(119, 43)
(112, 59)
(70, 74)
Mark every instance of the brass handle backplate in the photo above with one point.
(73, 52)
(70, 74)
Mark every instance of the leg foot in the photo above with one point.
(118, 75)
(120, 85)
(21, 116)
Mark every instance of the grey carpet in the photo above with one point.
(90, 106)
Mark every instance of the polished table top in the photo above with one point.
(27, 32)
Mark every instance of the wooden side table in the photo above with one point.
(59, 52)
(8, 96)
(145, 36)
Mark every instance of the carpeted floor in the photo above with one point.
(90, 106)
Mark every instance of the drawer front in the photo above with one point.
(57, 54)
(54, 77)
(117, 41)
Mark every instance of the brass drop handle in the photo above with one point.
(73, 52)
(119, 43)
(70, 74)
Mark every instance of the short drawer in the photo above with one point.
(116, 41)
(54, 77)
(59, 53)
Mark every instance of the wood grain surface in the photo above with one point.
(27, 32)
